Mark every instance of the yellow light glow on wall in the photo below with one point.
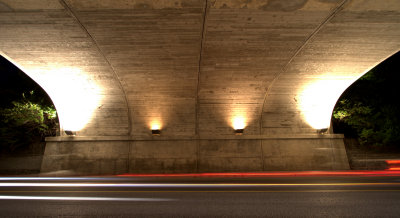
(238, 122)
(74, 94)
(155, 125)
(317, 100)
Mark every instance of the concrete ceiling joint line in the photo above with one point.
(277, 75)
(73, 14)
(203, 36)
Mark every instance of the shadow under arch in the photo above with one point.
(370, 102)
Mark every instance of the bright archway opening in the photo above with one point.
(319, 95)
(75, 94)
(369, 109)
(27, 114)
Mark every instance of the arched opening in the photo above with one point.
(75, 93)
(27, 113)
(367, 113)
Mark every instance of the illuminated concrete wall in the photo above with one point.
(118, 155)
(116, 69)
(46, 42)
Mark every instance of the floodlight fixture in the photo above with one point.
(70, 132)
(322, 131)
(239, 131)
(156, 132)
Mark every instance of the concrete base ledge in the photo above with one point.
(119, 154)
(183, 138)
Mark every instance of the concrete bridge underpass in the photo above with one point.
(194, 71)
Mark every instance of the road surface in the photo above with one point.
(289, 196)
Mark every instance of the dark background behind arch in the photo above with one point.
(370, 108)
(27, 113)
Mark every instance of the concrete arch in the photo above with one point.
(87, 96)
(194, 68)
(52, 86)
(344, 48)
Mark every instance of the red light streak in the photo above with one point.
(392, 172)
(393, 165)
(390, 162)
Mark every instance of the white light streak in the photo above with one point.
(45, 178)
(60, 198)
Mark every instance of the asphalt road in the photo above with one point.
(323, 196)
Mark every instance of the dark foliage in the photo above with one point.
(27, 114)
(369, 109)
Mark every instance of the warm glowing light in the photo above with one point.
(317, 100)
(155, 125)
(74, 94)
(238, 116)
(239, 122)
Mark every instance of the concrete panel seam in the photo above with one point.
(203, 35)
(202, 41)
(277, 75)
(333, 155)
(75, 17)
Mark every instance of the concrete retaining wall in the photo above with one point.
(20, 165)
(118, 155)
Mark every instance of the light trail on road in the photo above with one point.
(186, 185)
(228, 196)
(8, 197)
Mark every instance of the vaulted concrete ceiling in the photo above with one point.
(193, 67)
